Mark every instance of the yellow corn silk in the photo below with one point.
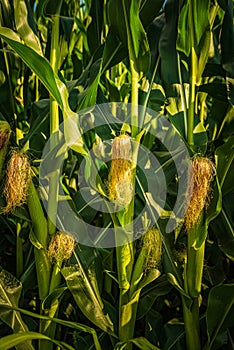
(61, 247)
(120, 179)
(17, 181)
(151, 243)
(203, 174)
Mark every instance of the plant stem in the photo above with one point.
(12, 104)
(191, 323)
(125, 254)
(54, 127)
(193, 280)
(134, 99)
(193, 79)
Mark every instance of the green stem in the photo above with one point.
(134, 99)
(193, 79)
(19, 251)
(55, 277)
(40, 239)
(193, 280)
(54, 126)
(191, 323)
(48, 328)
(9, 75)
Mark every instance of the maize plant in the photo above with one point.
(116, 174)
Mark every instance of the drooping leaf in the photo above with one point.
(19, 341)
(42, 68)
(150, 293)
(74, 325)
(39, 64)
(26, 26)
(87, 297)
(10, 290)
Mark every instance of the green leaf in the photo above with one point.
(39, 64)
(150, 293)
(10, 290)
(42, 68)
(223, 225)
(114, 50)
(220, 310)
(149, 10)
(94, 32)
(215, 205)
(200, 15)
(151, 276)
(225, 162)
(70, 324)
(227, 48)
(195, 20)
(172, 279)
(25, 25)
(17, 339)
(55, 295)
(87, 296)
(141, 343)
(167, 44)
(124, 18)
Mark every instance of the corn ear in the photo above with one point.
(120, 179)
(203, 174)
(17, 181)
(61, 247)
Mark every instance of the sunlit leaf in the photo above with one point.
(12, 340)
(87, 297)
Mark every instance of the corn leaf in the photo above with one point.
(10, 290)
(86, 294)
(141, 343)
(16, 340)
(25, 25)
(225, 159)
(42, 68)
(124, 17)
(70, 324)
(219, 311)
(39, 64)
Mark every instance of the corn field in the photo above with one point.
(116, 174)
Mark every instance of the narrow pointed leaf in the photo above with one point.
(37, 63)
(87, 298)
(25, 25)
(12, 340)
